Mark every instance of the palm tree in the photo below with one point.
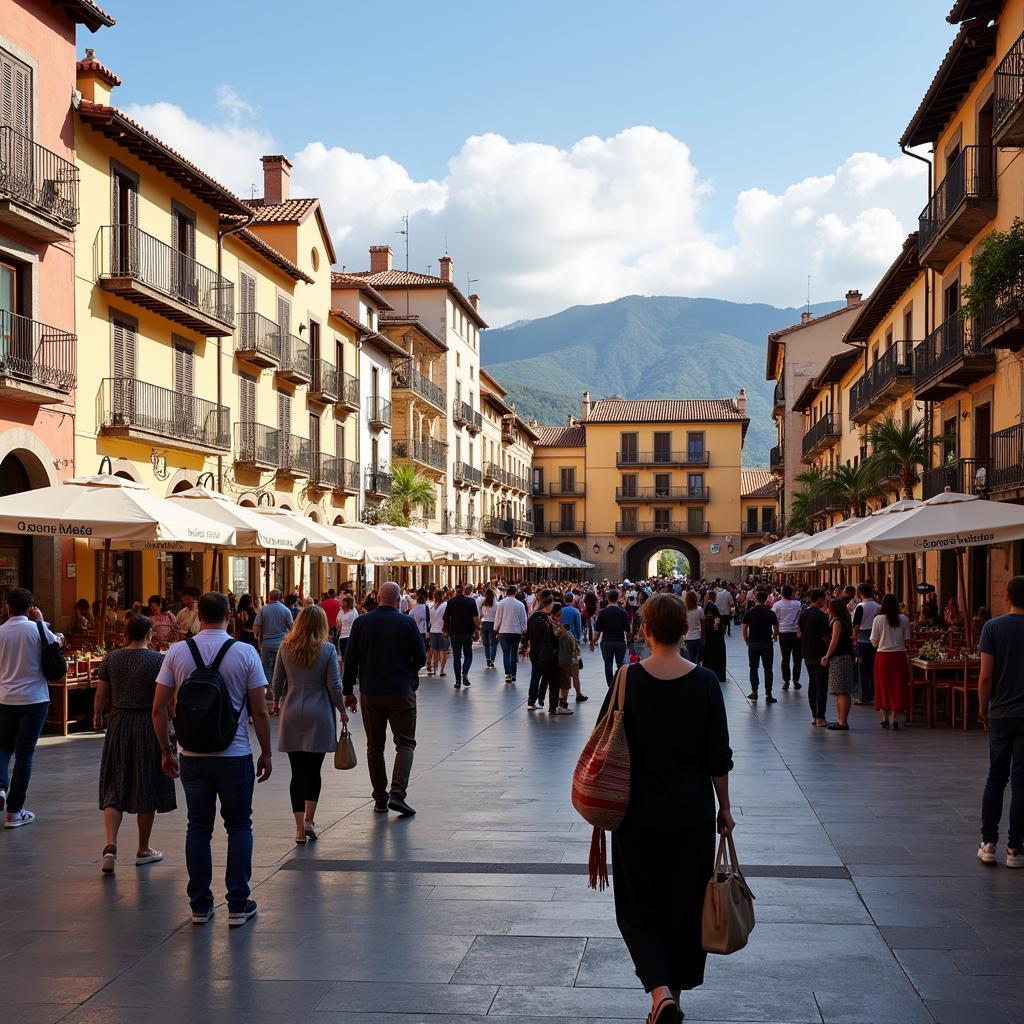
(409, 490)
(855, 486)
(907, 444)
(799, 520)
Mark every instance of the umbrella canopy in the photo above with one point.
(382, 548)
(504, 556)
(320, 540)
(569, 561)
(445, 549)
(254, 531)
(760, 557)
(818, 546)
(109, 508)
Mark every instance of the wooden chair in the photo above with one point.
(966, 687)
(921, 685)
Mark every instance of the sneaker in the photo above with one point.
(581, 697)
(458, 684)
(987, 853)
(236, 918)
(149, 857)
(798, 686)
(1014, 858)
(770, 700)
(785, 684)
(202, 916)
(508, 678)
(380, 806)
(3, 798)
(109, 860)
(465, 680)
(531, 706)
(19, 818)
(752, 696)
(564, 709)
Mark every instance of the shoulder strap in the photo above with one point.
(196, 656)
(42, 634)
(619, 689)
(215, 664)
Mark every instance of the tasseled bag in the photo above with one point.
(600, 783)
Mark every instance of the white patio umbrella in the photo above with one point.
(381, 548)
(109, 509)
(321, 540)
(818, 546)
(446, 548)
(504, 556)
(753, 558)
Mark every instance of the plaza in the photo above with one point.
(860, 849)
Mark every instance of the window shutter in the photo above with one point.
(247, 397)
(123, 356)
(184, 357)
(284, 315)
(314, 433)
(284, 412)
(133, 204)
(16, 94)
(339, 440)
(247, 296)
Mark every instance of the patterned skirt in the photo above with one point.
(130, 775)
(841, 675)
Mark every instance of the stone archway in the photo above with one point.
(753, 547)
(568, 548)
(637, 556)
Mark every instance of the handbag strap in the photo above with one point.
(618, 700)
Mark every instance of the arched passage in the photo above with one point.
(568, 548)
(638, 555)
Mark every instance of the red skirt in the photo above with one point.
(892, 680)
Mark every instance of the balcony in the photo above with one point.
(558, 528)
(663, 458)
(378, 412)
(965, 476)
(537, 489)
(949, 359)
(405, 377)
(890, 376)
(323, 387)
(428, 452)
(1008, 108)
(779, 399)
(566, 490)
(825, 433)
(517, 483)
(378, 483)
(825, 504)
(140, 411)
(466, 475)
(1008, 459)
(1001, 324)
(348, 394)
(258, 340)
(768, 529)
(294, 456)
(38, 189)
(37, 362)
(659, 528)
(158, 277)
(460, 413)
(522, 528)
(658, 494)
(775, 463)
(295, 366)
(256, 446)
(493, 473)
(344, 475)
(496, 526)
(963, 203)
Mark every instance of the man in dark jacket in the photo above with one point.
(543, 647)
(385, 654)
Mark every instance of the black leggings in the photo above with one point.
(305, 784)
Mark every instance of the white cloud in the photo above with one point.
(543, 227)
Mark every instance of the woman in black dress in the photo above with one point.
(245, 618)
(714, 637)
(663, 853)
(131, 781)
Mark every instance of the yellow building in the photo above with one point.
(632, 478)
(759, 509)
(208, 350)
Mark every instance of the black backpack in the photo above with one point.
(51, 661)
(205, 721)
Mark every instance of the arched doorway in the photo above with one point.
(637, 556)
(568, 548)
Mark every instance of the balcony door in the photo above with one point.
(629, 520)
(123, 348)
(751, 520)
(629, 485)
(695, 485)
(246, 311)
(16, 111)
(247, 417)
(662, 485)
(663, 520)
(952, 326)
(662, 447)
(124, 210)
(16, 354)
(284, 322)
(567, 479)
(630, 448)
(314, 355)
(282, 446)
(184, 382)
(183, 241)
(314, 446)
(567, 517)
(695, 446)
(695, 520)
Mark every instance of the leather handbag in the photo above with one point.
(600, 783)
(728, 916)
(345, 751)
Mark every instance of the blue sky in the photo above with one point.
(759, 95)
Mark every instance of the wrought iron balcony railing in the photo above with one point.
(348, 391)
(405, 377)
(970, 178)
(129, 406)
(258, 339)
(428, 451)
(324, 385)
(35, 353)
(378, 483)
(467, 474)
(1008, 458)
(966, 476)
(34, 177)
(378, 412)
(694, 457)
(637, 528)
(824, 433)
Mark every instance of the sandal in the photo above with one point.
(666, 1012)
(300, 840)
(310, 832)
(836, 727)
(109, 859)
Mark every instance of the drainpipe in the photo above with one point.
(221, 235)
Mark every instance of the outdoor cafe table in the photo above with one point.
(932, 670)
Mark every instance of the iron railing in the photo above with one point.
(428, 451)
(1008, 85)
(378, 411)
(378, 482)
(516, 482)
(1005, 307)
(126, 251)
(467, 474)
(822, 504)
(954, 339)
(256, 334)
(662, 493)
(35, 177)
(33, 352)
(560, 490)
(458, 413)
(493, 473)
(325, 381)
(256, 444)
(696, 457)
(758, 529)
(294, 454)
(1008, 458)
(348, 390)
(897, 361)
(295, 361)
(404, 376)
(558, 528)
(343, 474)
(775, 459)
(637, 528)
(972, 175)
(497, 525)
(825, 429)
(965, 476)
(522, 527)
(127, 403)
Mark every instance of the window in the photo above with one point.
(908, 324)
(629, 520)
(695, 485)
(630, 454)
(16, 95)
(695, 520)
(662, 446)
(538, 515)
(767, 519)
(122, 366)
(567, 479)
(247, 397)
(538, 478)
(567, 516)
(629, 488)
(751, 520)
(662, 485)
(284, 315)
(314, 258)
(888, 339)
(662, 520)
(695, 446)
(246, 308)
(284, 412)
(314, 434)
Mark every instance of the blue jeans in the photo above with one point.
(205, 780)
(612, 651)
(462, 653)
(761, 652)
(20, 726)
(866, 654)
(510, 652)
(694, 651)
(268, 658)
(490, 641)
(1006, 764)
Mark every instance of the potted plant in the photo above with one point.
(997, 277)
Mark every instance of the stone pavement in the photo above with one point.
(860, 849)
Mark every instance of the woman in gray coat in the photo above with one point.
(307, 689)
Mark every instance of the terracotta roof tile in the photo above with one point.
(92, 66)
(665, 410)
(758, 483)
(342, 280)
(85, 12)
(964, 9)
(412, 279)
(395, 320)
(292, 211)
(561, 437)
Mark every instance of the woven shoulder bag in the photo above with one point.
(600, 783)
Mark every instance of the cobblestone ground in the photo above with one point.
(860, 848)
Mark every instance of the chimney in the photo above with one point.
(446, 265)
(533, 422)
(805, 317)
(569, 421)
(381, 258)
(853, 297)
(741, 402)
(586, 404)
(474, 301)
(277, 171)
(94, 80)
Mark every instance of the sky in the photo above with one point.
(564, 151)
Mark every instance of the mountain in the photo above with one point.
(643, 347)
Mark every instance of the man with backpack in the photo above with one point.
(216, 684)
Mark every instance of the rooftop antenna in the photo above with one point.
(808, 294)
(252, 191)
(404, 230)
(470, 281)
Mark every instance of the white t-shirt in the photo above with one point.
(869, 610)
(21, 674)
(694, 624)
(419, 616)
(487, 612)
(787, 610)
(888, 638)
(435, 617)
(530, 598)
(345, 620)
(242, 672)
(724, 602)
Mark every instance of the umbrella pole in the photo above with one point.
(266, 576)
(213, 570)
(302, 573)
(962, 588)
(101, 626)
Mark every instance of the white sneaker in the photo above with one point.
(152, 857)
(19, 818)
(564, 711)
(987, 853)
(3, 798)
(1014, 858)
